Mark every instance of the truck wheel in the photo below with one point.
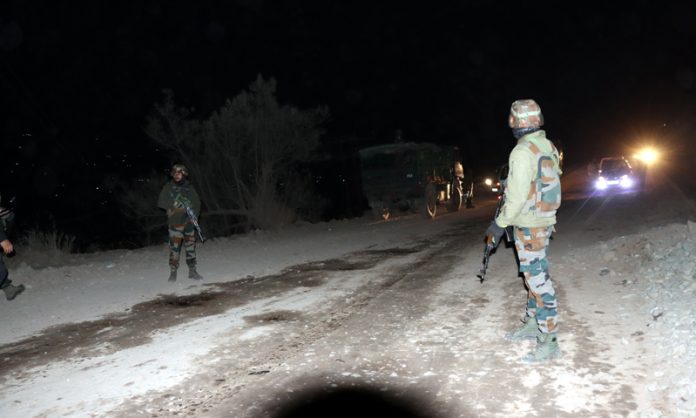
(430, 201)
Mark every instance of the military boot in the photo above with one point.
(528, 331)
(193, 274)
(172, 275)
(12, 291)
(546, 349)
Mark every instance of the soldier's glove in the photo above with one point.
(495, 232)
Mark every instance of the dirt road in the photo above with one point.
(403, 328)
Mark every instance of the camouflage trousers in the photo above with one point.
(182, 235)
(531, 245)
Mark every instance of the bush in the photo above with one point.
(52, 243)
(242, 160)
(40, 249)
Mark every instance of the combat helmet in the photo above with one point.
(179, 168)
(525, 113)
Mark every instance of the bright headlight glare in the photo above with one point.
(601, 183)
(647, 155)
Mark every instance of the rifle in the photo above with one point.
(192, 216)
(490, 245)
(194, 220)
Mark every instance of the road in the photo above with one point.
(404, 328)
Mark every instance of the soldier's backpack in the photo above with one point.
(544, 196)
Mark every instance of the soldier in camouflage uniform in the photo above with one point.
(11, 291)
(532, 196)
(175, 196)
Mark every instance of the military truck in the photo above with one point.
(416, 177)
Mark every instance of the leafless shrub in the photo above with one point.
(243, 160)
(39, 249)
(51, 242)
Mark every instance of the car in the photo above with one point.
(615, 173)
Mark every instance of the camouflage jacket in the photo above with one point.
(517, 209)
(175, 197)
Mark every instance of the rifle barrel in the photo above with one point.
(486, 257)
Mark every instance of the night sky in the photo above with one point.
(78, 80)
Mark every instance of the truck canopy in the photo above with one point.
(404, 168)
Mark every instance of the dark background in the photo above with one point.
(78, 80)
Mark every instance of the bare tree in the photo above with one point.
(244, 158)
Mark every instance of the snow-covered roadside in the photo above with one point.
(669, 288)
(638, 287)
(100, 383)
(90, 286)
(656, 271)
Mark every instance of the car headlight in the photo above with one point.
(601, 183)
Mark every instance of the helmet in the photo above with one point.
(525, 114)
(179, 168)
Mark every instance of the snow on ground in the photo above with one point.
(660, 266)
(647, 280)
(90, 286)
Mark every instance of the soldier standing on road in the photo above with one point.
(175, 196)
(11, 291)
(532, 196)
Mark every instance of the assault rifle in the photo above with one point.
(192, 216)
(490, 244)
(194, 220)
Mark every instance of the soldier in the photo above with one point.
(11, 291)
(175, 196)
(532, 196)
